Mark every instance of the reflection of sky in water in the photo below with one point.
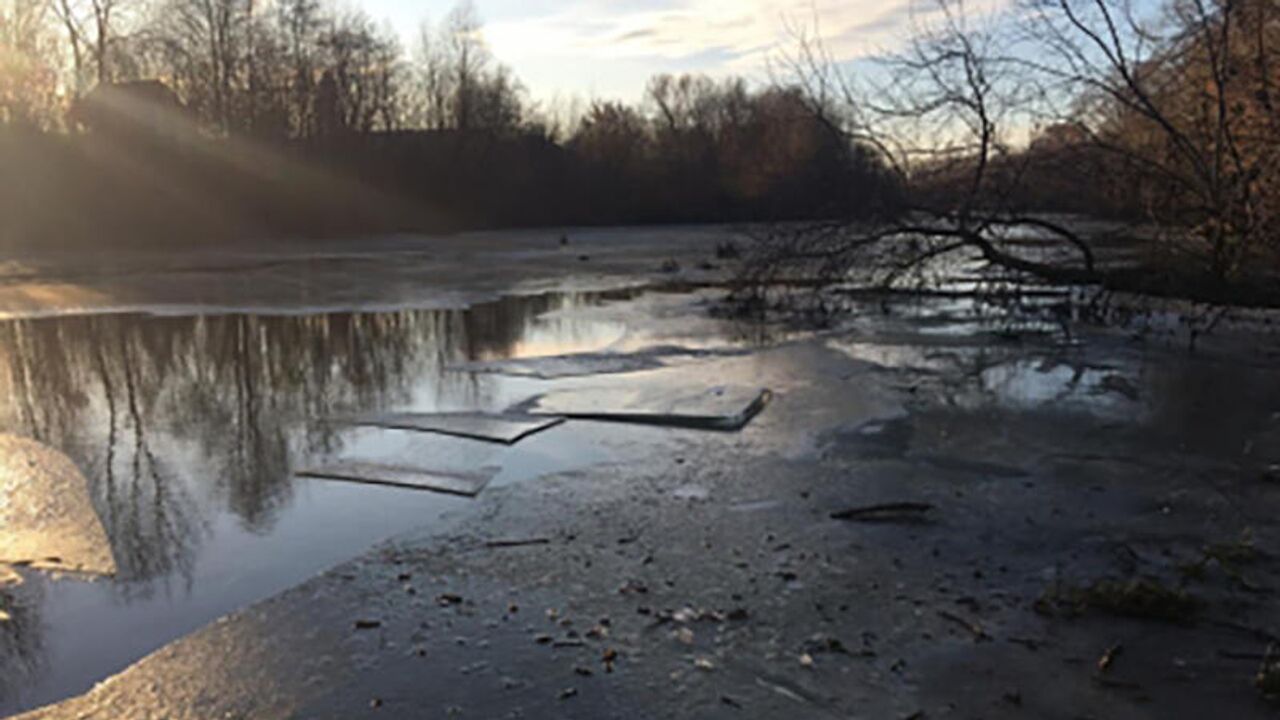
(917, 357)
(1180, 401)
(189, 429)
(1034, 382)
(668, 322)
(564, 328)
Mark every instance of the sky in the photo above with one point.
(607, 49)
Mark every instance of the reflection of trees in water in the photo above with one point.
(161, 413)
(45, 391)
(147, 510)
(491, 330)
(21, 642)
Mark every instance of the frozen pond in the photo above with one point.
(190, 429)
(189, 389)
(189, 422)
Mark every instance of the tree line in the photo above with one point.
(201, 119)
(288, 117)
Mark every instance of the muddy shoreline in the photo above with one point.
(940, 513)
(712, 581)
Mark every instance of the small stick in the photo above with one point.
(978, 633)
(517, 543)
(1109, 657)
(884, 511)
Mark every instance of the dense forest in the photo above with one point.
(230, 119)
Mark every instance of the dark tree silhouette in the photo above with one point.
(294, 120)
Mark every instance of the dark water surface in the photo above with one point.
(189, 430)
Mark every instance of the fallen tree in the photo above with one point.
(1090, 98)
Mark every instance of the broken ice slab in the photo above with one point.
(718, 408)
(442, 481)
(47, 519)
(555, 367)
(9, 577)
(507, 428)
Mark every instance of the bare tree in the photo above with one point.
(29, 64)
(1182, 98)
(1166, 103)
(468, 60)
(432, 86)
(364, 66)
(70, 20)
(204, 43)
(460, 85)
(298, 23)
(93, 29)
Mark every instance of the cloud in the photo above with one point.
(740, 30)
(636, 35)
(614, 46)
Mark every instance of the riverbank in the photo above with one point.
(1034, 478)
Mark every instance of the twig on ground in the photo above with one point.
(979, 635)
(1109, 657)
(886, 512)
(495, 544)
